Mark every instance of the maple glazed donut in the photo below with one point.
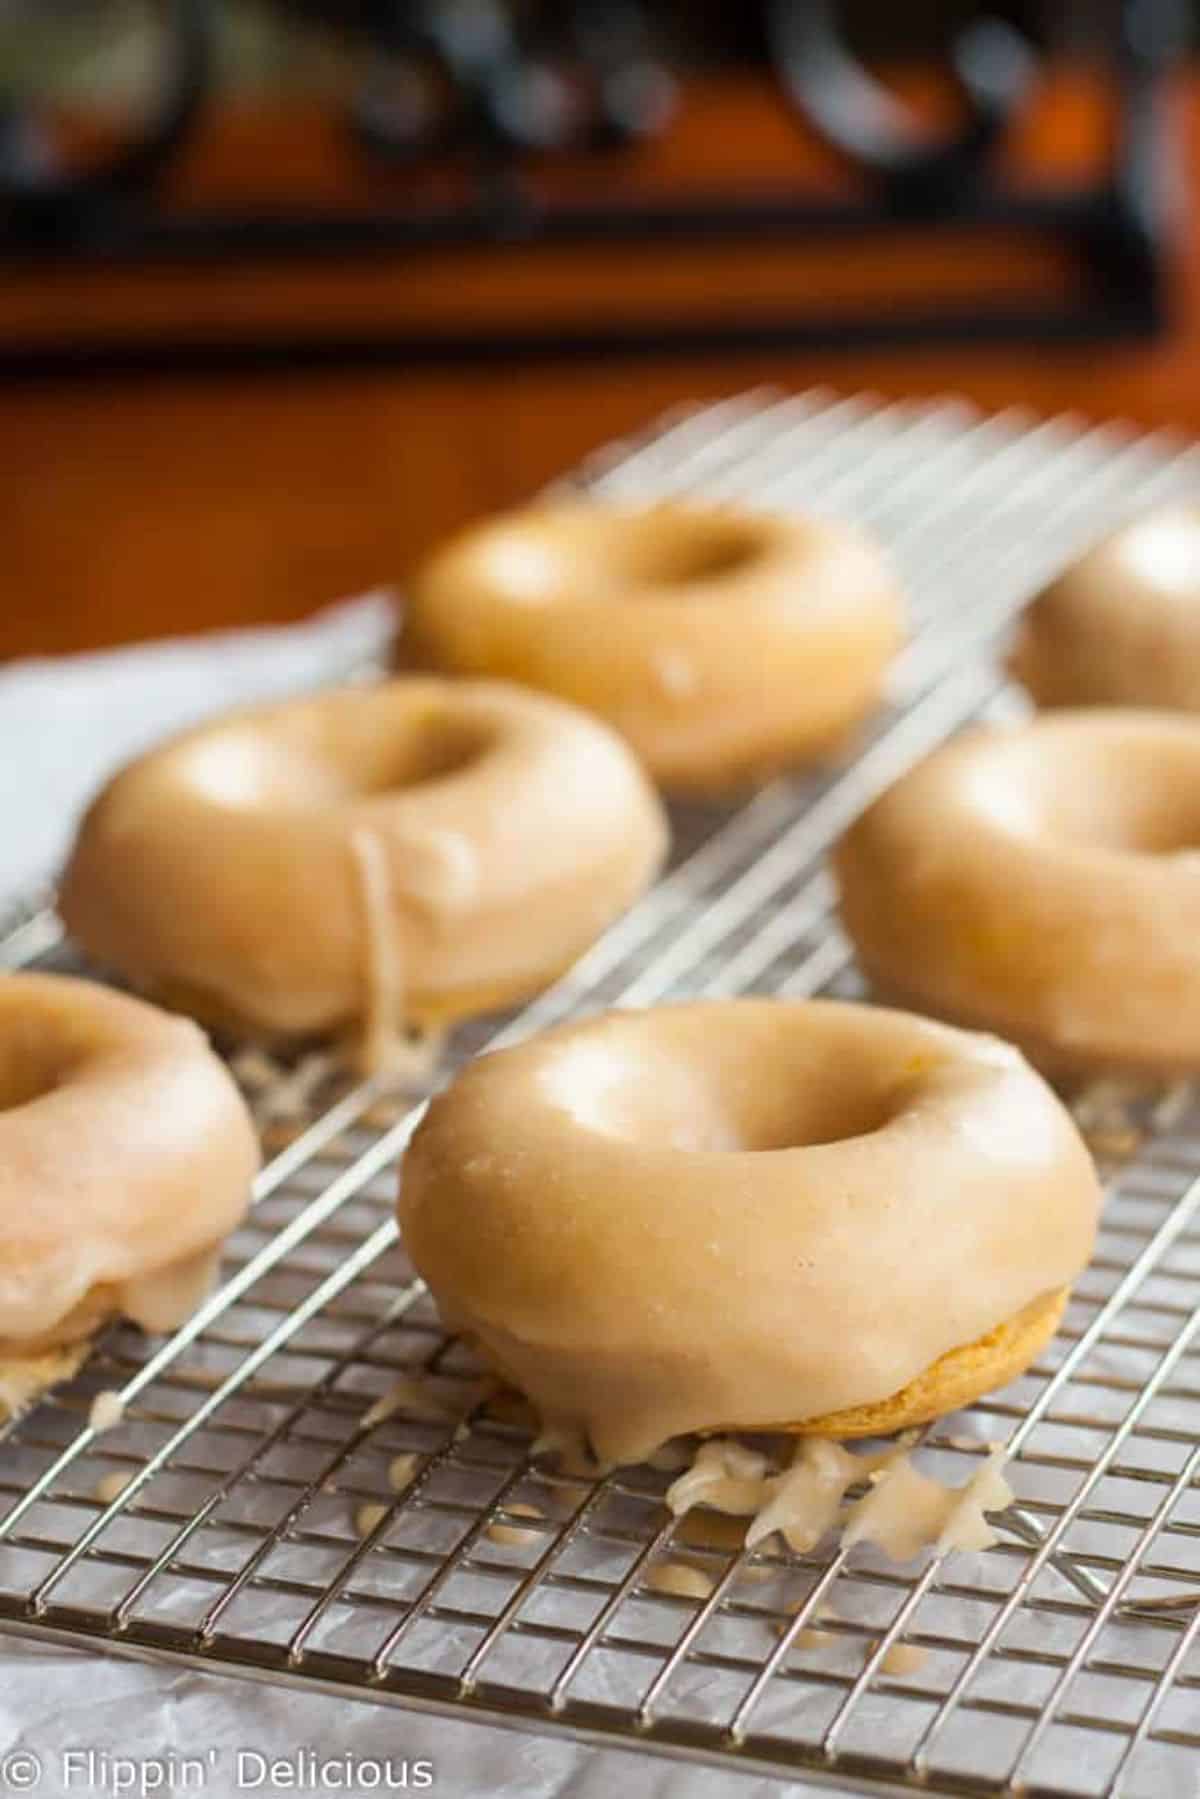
(367, 857)
(1121, 625)
(749, 1214)
(1042, 880)
(126, 1156)
(723, 644)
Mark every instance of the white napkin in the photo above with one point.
(67, 723)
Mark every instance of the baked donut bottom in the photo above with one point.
(955, 1379)
(25, 1378)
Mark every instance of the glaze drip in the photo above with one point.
(903, 1511)
(164, 1298)
(382, 1043)
(906, 1512)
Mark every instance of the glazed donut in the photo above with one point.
(749, 1214)
(722, 644)
(1121, 626)
(126, 1156)
(365, 858)
(1042, 881)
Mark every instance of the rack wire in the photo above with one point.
(222, 1524)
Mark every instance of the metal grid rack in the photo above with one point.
(1064, 1660)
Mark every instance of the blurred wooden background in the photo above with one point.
(139, 505)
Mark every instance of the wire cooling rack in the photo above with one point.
(242, 1517)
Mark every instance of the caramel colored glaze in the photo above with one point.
(1120, 626)
(720, 643)
(126, 1156)
(723, 1214)
(1041, 881)
(251, 869)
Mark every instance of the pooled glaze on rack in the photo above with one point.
(903, 1511)
(111, 1486)
(402, 1471)
(749, 1214)
(369, 1516)
(725, 1475)
(811, 1636)
(368, 857)
(805, 1501)
(904, 1658)
(515, 1536)
(106, 1412)
(126, 1156)
(414, 1398)
(680, 1580)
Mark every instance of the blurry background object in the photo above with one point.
(457, 138)
(289, 289)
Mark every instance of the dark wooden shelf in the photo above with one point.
(133, 506)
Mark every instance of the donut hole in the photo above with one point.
(810, 1110)
(722, 1102)
(300, 767)
(431, 748)
(19, 1085)
(1125, 793)
(622, 557)
(685, 555)
(30, 1065)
